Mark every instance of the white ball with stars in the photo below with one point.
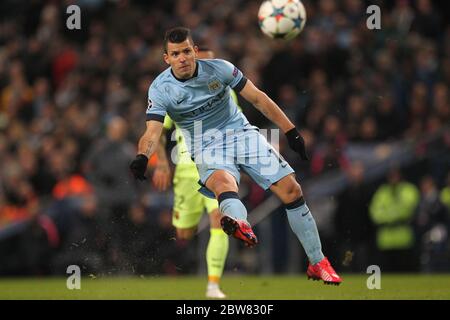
(282, 19)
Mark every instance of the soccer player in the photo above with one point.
(196, 95)
(189, 204)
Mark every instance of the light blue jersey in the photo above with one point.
(205, 97)
(203, 104)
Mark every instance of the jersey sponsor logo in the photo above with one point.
(206, 107)
(180, 100)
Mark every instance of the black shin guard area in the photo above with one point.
(295, 204)
(228, 195)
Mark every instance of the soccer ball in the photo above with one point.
(282, 19)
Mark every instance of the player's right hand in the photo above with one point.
(138, 167)
(162, 177)
(297, 143)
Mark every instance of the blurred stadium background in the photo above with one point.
(373, 105)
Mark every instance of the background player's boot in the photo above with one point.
(213, 291)
(239, 229)
(323, 271)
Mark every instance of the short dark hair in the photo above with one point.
(177, 35)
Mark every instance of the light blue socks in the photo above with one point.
(304, 226)
(231, 205)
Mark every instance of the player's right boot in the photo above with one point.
(323, 271)
(239, 229)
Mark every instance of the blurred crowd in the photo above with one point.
(72, 105)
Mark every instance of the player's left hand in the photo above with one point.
(297, 143)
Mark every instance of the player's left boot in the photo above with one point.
(239, 229)
(323, 271)
(213, 291)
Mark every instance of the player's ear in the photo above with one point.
(166, 58)
(196, 51)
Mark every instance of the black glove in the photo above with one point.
(297, 143)
(138, 167)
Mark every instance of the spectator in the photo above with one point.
(84, 243)
(330, 154)
(392, 210)
(427, 21)
(387, 118)
(445, 193)
(136, 250)
(15, 99)
(105, 168)
(354, 229)
(433, 226)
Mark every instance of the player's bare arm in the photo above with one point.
(148, 144)
(267, 106)
(149, 140)
(272, 111)
(162, 175)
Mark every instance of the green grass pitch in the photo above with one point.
(405, 286)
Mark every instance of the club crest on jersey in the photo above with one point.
(214, 85)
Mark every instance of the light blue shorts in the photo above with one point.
(245, 150)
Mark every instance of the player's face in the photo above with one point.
(181, 57)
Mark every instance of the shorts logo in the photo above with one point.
(214, 85)
(235, 72)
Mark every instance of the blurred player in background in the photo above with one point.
(196, 95)
(189, 204)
